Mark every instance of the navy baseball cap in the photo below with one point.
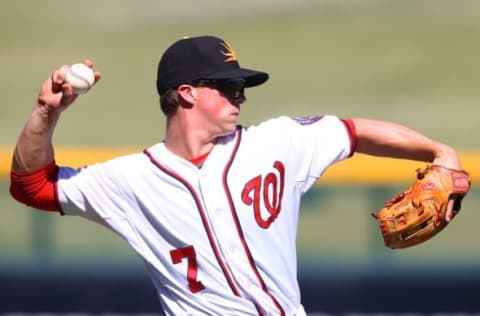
(202, 57)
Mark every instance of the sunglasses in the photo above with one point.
(231, 88)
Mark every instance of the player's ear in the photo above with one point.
(187, 94)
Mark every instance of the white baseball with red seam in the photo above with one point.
(81, 77)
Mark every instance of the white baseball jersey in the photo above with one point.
(217, 239)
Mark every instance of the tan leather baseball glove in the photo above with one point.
(418, 214)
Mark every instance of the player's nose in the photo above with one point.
(239, 100)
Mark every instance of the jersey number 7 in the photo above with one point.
(188, 252)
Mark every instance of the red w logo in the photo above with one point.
(269, 190)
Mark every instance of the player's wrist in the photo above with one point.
(45, 109)
(447, 157)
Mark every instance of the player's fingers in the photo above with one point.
(450, 214)
(67, 90)
(88, 62)
(58, 78)
(56, 81)
(97, 76)
(68, 96)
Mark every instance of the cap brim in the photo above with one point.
(252, 77)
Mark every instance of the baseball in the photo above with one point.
(81, 77)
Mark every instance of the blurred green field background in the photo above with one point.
(413, 62)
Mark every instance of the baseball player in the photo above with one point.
(213, 208)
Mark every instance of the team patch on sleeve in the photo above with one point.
(306, 120)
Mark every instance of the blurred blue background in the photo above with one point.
(413, 62)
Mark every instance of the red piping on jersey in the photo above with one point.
(239, 228)
(37, 189)
(203, 216)
(352, 134)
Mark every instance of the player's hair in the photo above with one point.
(169, 102)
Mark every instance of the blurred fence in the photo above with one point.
(360, 169)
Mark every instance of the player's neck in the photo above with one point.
(188, 144)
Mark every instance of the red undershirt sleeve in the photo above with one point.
(352, 134)
(37, 189)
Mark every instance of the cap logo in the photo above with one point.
(229, 53)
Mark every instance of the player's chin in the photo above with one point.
(229, 128)
(232, 121)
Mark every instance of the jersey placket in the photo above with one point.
(225, 229)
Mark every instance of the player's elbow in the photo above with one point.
(36, 189)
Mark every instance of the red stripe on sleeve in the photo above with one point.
(36, 189)
(352, 134)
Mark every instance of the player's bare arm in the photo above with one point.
(387, 139)
(34, 147)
